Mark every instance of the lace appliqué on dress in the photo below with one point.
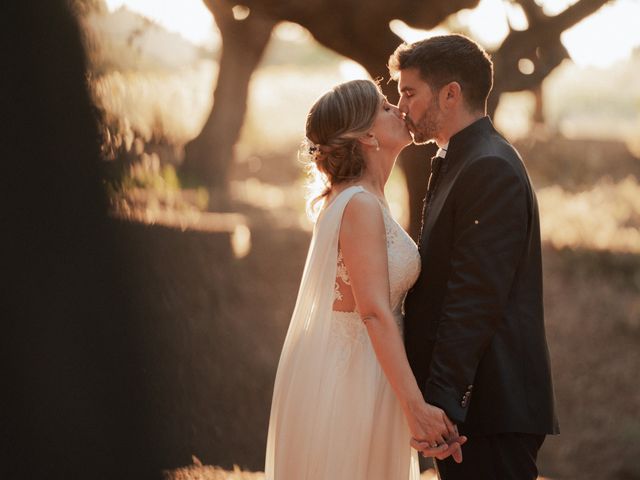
(403, 264)
(343, 275)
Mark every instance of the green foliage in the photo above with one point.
(147, 187)
(149, 174)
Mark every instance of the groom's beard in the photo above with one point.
(426, 128)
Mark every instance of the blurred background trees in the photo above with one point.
(244, 39)
(522, 62)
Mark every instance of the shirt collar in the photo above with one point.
(442, 151)
(459, 140)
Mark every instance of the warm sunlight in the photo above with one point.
(489, 23)
(189, 18)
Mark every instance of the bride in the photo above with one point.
(346, 404)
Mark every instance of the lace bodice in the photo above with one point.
(348, 332)
(403, 263)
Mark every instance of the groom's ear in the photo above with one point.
(450, 95)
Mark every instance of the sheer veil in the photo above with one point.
(298, 401)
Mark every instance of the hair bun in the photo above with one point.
(334, 124)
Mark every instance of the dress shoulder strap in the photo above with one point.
(340, 201)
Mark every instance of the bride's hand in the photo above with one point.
(433, 433)
(429, 423)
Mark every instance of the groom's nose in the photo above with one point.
(404, 112)
(402, 106)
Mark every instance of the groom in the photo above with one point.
(474, 324)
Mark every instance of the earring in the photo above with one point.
(377, 143)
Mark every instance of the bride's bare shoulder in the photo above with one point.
(363, 211)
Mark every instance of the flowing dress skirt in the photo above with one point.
(353, 428)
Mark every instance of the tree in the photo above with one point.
(210, 154)
(359, 29)
(539, 43)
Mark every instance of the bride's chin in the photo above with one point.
(408, 138)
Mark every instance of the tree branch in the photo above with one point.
(532, 10)
(540, 43)
(575, 13)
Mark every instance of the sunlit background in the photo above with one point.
(616, 24)
(153, 68)
(169, 86)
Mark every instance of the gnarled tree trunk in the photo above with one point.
(209, 155)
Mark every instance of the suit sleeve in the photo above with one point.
(490, 231)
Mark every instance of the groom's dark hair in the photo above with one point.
(448, 58)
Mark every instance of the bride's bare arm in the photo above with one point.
(364, 251)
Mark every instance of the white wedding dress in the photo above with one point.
(334, 415)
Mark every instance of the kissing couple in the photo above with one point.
(396, 348)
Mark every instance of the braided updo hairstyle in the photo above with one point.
(334, 124)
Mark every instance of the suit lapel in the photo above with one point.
(459, 153)
(452, 169)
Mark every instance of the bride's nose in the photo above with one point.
(397, 112)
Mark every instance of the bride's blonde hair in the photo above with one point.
(331, 149)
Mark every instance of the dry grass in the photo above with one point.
(207, 472)
(200, 472)
(603, 217)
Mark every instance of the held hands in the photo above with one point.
(451, 448)
(434, 434)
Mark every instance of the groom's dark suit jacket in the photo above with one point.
(474, 323)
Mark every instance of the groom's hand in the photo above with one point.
(455, 442)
